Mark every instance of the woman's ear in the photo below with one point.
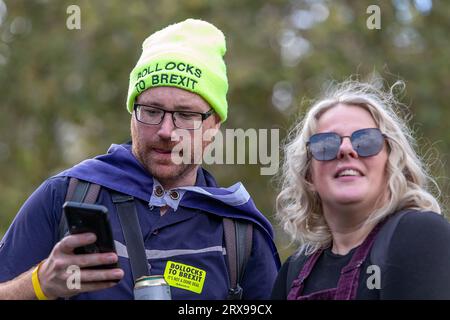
(311, 187)
(308, 178)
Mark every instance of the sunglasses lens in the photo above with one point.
(324, 146)
(367, 142)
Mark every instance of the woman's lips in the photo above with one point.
(348, 178)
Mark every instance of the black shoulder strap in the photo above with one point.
(78, 191)
(238, 243)
(383, 239)
(126, 209)
(294, 266)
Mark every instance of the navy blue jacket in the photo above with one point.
(192, 234)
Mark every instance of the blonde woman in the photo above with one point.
(356, 195)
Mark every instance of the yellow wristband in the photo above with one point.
(36, 285)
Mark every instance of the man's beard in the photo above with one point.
(167, 172)
(164, 171)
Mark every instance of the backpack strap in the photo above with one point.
(238, 242)
(126, 210)
(294, 266)
(78, 191)
(378, 254)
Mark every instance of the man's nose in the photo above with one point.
(346, 149)
(166, 127)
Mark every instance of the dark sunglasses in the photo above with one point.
(366, 142)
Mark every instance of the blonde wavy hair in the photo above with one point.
(299, 210)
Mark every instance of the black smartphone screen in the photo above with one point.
(82, 218)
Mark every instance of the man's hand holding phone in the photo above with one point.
(98, 270)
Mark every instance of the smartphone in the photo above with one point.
(84, 217)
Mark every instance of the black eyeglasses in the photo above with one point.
(366, 142)
(189, 120)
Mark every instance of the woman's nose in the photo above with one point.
(346, 149)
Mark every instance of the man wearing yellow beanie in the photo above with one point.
(187, 55)
(167, 219)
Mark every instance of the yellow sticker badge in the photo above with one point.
(186, 277)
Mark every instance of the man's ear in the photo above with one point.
(217, 121)
(215, 127)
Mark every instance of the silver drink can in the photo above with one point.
(152, 288)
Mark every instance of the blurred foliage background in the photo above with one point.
(62, 92)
